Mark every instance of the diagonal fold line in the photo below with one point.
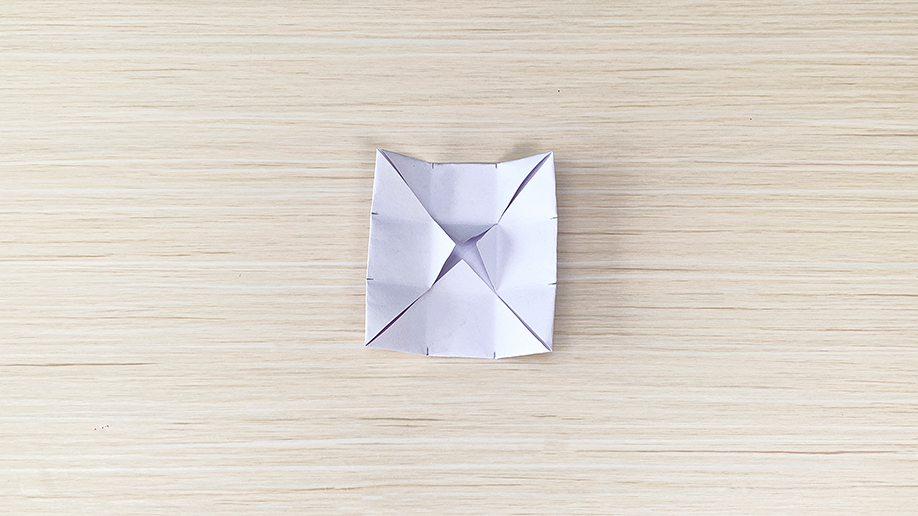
(453, 256)
(448, 265)
(534, 334)
(399, 172)
(397, 317)
(523, 184)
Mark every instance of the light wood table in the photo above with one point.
(184, 209)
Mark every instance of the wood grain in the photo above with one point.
(184, 210)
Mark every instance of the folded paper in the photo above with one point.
(462, 257)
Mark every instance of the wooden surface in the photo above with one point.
(184, 209)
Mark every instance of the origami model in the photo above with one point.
(462, 257)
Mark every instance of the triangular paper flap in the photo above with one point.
(407, 248)
(536, 200)
(516, 172)
(520, 254)
(466, 198)
(459, 316)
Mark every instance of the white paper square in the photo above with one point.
(462, 257)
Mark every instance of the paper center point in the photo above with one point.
(468, 252)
